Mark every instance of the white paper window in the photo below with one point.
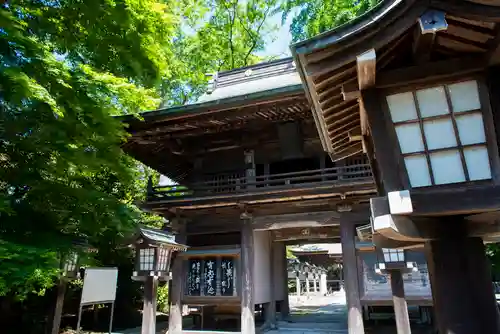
(478, 163)
(464, 96)
(441, 134)
(447, 167)
(418, 171)
(402, 107)
(410, 138)
(471, 129)
(432, 102)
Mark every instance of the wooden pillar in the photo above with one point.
(61, 291)
(285, 306)
(175, 294)
(315, 284)
(308, 285)
(149, 309)
(464, 301)
(355, 312)
(271, 307)
(386, 162)
(247, 272)
(250, 168)
(399, 301)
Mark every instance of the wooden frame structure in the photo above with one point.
(349, 93)
(276, 186)
(376, 85)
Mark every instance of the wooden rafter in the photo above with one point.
(469, 10)
(430, 71)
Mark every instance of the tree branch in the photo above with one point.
(232, 17)
(257, 32)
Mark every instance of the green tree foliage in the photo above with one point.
(225, 35)
(63, 174)
(313, 17)
(66, 68)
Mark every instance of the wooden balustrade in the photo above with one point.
(301, 179)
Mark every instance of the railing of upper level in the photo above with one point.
(236, 182)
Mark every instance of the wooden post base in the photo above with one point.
(149, 310)
(355, 313)
(464, 301)
(400, 306)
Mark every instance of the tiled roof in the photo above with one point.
(252, 79)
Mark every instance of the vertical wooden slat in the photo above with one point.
(247, 278)
(355, 312)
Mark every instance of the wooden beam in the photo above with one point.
(331, 190)
(355, 135)
(401, 228)
(350, 91)
(468, 10)
(464, 200)
(382, 242)
(422, 45)
(366, 65)
(306, 219)
(435, 71)
(493, 54)
(396, 227)
(382, 143)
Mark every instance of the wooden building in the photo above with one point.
(252, 177)
(417, 82)
(284, 151)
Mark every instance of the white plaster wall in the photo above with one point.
(279, 271)
(262, 266)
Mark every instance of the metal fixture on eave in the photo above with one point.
(432, 21)
(212, 82)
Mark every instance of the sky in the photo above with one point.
(280, 46)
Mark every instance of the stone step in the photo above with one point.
(309, 327)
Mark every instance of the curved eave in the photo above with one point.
(327, 62)
(190, 110)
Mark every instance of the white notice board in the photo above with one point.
(99, 285)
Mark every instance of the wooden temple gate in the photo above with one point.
(387, 119)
